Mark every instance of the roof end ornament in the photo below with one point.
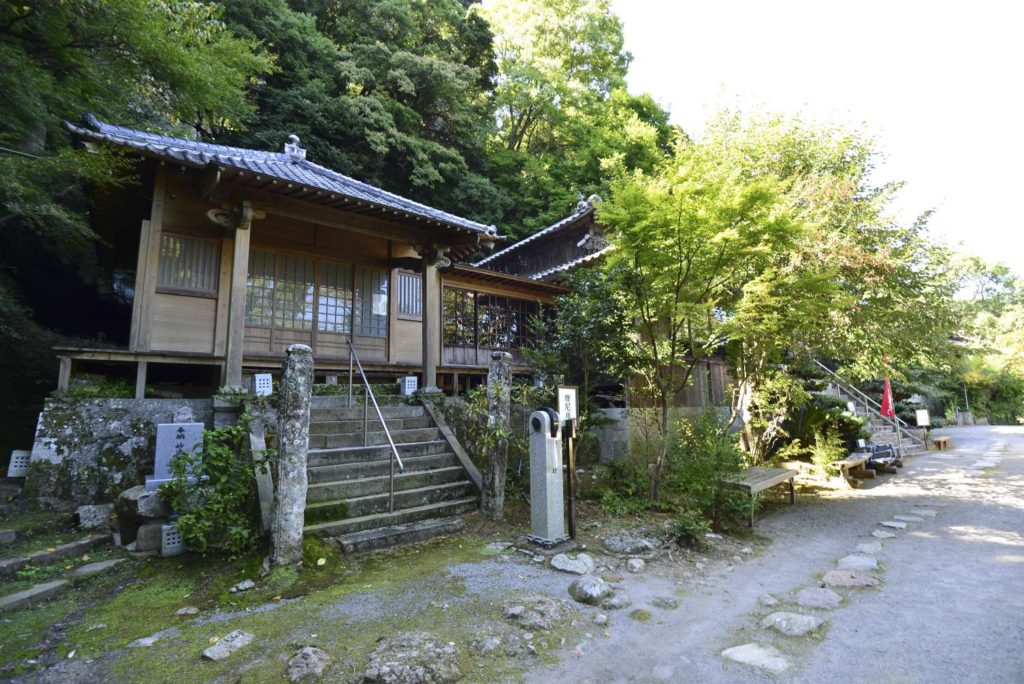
(293, 149)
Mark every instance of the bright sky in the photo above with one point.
(939, 84)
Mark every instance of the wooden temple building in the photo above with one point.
(240, 253)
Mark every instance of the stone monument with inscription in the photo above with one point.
(173, 439)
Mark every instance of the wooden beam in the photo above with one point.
(140, 379)
(348, 220)
(64, 374)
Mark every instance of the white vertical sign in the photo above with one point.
(567, 404)
(923, 419)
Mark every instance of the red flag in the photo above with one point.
(888, 407)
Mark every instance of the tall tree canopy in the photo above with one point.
(392, 92)
(562, 107)
(766, 239)
(168, 65)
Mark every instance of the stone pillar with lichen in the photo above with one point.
(294, 394)
(499, 390)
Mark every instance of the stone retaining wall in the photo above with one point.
(90, 450)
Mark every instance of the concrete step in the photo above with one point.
(360, 506)
(361, 469)
(342, 455)
(347, 427)
(335, 440)
(319, 412)
(399, 517)
(380, 484)
(9, 566)
(395, 535)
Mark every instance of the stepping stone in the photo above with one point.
(984, 464)
(792, 624)
(37, 593)
(817, 597)
(909, 518)
(848, 578)
(229, 644)
(762, 657)
(855, 562)
(882, 534)
(926, 512)
(869, 547)
(91, 569)
(893, 524)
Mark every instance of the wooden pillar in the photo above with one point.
(431, 312)
(236, 307)
(64, 374)
(147, 267)
(140, 379)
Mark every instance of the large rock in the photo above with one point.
(582, 564)
(231, 643)
(94, 516)
(150, 536)
(533, 613)
(635, 565)
(590, 590)
(817, 597)
(792, 624)
(761, 657)
(413, 658)
(135, 507)
(308, 664)
(629, 544)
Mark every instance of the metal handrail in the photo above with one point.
(896, 421)
(380, 416)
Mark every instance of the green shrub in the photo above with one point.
(218, 504)
(689, 528)
(613, 503)
(702, 457)
(828, 448)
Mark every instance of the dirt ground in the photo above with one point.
(949, 608)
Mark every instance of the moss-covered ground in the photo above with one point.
(340, 603)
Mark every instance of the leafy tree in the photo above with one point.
(167, 65)
(393, 92)
(562, 107)
(689, 243)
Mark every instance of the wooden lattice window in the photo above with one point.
(334, 298)
(188, 265)
(410, 295)
(371, 302)
(294, 292)
(459, 318)
(259, 289)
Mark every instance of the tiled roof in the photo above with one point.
(561, 268)
(584, 208)
(290, 166)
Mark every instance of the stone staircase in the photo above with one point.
(883, 430)
(349, 484)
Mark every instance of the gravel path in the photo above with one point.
(949, 608)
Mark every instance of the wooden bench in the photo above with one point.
(940, 443)
(754, 480)
(852, 468)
